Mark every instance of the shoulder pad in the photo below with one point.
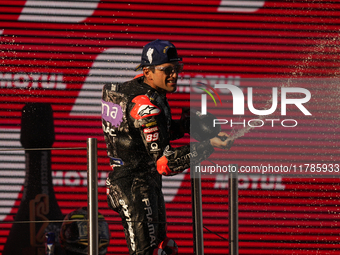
(143, 108)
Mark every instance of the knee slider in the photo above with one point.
(169, 246)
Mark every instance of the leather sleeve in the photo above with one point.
(176, 160)
(152, 126)
(147, 120)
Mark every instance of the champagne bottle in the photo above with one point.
(39, 204)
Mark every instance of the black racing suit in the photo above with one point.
(138, 128)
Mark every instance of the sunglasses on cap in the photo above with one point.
(170, 69)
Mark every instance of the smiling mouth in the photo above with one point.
(172, 82)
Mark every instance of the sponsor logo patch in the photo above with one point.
(150, 124)
(112, 113)
(150, 130)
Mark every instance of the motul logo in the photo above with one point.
(150, 130)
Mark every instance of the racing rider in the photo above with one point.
(138, 128)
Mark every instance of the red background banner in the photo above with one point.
(62, 52)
